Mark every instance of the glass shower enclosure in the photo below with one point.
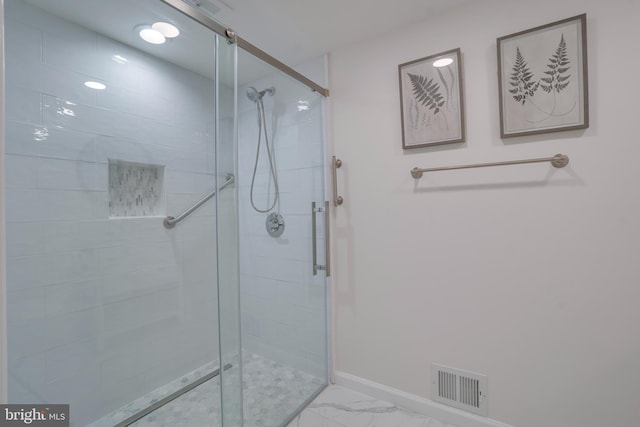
(162, 248)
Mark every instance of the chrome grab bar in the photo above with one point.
(170, 221)
(558, 161)
(335, 164)
(327, 240)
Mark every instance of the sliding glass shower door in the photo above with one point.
(283, 297)
(107, 135)
(165, 220)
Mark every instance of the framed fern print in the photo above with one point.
(431, 105)
(542, 79)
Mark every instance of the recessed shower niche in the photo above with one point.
(135, 189)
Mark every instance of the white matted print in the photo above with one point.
(542, 79)
(431, 103)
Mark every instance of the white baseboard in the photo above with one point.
(415, 403)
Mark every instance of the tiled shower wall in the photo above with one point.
(283, 304)
(102, 310)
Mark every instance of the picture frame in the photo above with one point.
(431, 100)
(542, 79)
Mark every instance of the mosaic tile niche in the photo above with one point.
(135, 189)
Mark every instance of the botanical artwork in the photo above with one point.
(431, 100)
(543, 79)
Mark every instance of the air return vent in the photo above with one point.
(460, 389)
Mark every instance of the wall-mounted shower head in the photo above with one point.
(255, 96)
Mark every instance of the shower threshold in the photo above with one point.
(160, 403)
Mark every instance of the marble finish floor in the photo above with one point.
(337, 406)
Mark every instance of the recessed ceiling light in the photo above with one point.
(95, 85)
(150, 35)
(443, 62)
(168, 30)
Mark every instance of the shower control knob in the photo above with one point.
(275, 224)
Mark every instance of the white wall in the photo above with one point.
(102, 310)
(526, 273)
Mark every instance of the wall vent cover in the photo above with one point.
(461, 389)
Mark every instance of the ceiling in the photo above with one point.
(295, 30)
(290, 30)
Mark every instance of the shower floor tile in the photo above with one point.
(273, 392)
(337, 406)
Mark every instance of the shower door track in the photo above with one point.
(232, 37)
(160, 403)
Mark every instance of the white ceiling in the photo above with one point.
(295, 30)
(290, 30)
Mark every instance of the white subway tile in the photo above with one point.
(189, 161)
(24, 239)
(201, 306)
(22, 105)
(303, 295)
(310, 180)
(198, 228)
(27, 340)
(135, 102)
(199, 262)
(20, 172)
(66, 84)
(52, 81)
(128, 150)
(71, 175)
(24, 73)
(282, 269)
(46, 141)
(118, 259)
(140, 231)
(66, 114)
(190, 183)
(70, 327)
(132, 313)
(71, 297)
(82, 389)
(122, 342)
(25, 306)
(65, 361)
(70, 47)
(27, 371)
(52, 205)
(40, 270)
(23, 43)
(298, 203)
(76, 235)
(122, 286)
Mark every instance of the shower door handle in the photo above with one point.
(314, 239)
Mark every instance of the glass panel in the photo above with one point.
(283, 306)
(108, 310)
(227, 228)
